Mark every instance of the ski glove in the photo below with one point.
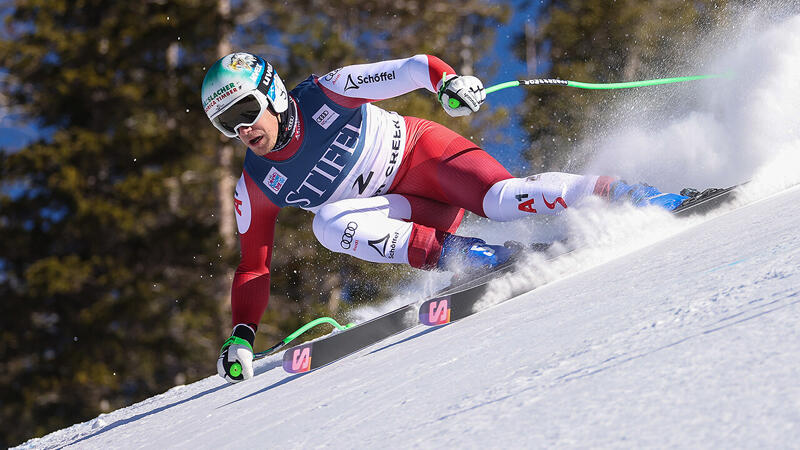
(461, 95)
(235, 361)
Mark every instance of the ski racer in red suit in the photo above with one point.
(384, 187)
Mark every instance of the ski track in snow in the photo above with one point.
(658, 332)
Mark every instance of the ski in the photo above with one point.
(313, 355)
(455, 302)
(458, 300)
(700, 202)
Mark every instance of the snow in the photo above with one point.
(659, 332)
(689, 341)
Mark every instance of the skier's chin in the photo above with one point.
(260, 145)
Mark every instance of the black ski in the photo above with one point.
(700, 202)
(316, 354)
(313, 355)
(450, 304)
(458, 300)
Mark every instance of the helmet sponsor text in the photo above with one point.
(219, 94)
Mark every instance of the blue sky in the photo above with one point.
(509, 69)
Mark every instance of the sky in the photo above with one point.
(510, 69)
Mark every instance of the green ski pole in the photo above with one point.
(599, 86)
(236, 368)
(455, 103)
(300, 331)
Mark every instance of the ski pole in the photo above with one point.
(597, 86)
(300, 331)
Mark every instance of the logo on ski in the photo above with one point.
(435, 312)
(297, 360)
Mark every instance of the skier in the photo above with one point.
(384, 187)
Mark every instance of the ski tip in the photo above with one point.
(435, 311)
(297, 359)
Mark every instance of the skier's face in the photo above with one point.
(261, 136)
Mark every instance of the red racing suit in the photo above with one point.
(431, 172)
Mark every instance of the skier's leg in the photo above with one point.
(371, 229)
(376, 229)
(546, 193)
(444, 166)
(441, 165)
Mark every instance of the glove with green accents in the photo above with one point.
(460, 95)
(235, 361)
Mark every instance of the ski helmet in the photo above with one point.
(237, 90)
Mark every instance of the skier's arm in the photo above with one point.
(352, 86)
(256, 216)
(255, 219)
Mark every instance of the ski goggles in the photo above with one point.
(245, 112)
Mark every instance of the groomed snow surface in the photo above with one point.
(689, 342)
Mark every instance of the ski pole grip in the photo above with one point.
(236, 369)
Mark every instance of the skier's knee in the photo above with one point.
(495, 205)
(328, 223)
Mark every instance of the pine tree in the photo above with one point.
(110, 263)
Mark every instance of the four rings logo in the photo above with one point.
(349, 235)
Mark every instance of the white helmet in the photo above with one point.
(237, 90)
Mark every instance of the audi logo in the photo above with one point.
(349, 234)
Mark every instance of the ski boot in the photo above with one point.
(642, 194)
(474, 254)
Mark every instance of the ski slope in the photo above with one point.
(691, 341)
